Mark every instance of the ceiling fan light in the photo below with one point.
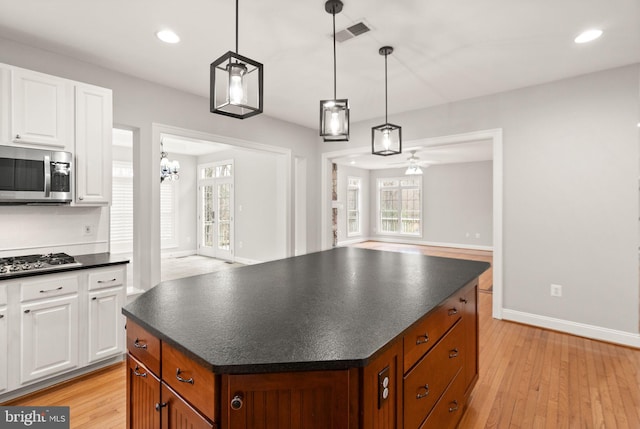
(413, 170)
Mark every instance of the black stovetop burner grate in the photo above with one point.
(34, 262)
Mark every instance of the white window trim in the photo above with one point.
(378, 220)
(359, 207)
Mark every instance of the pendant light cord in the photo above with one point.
(386, 120)
(237, 1)
(334, 54)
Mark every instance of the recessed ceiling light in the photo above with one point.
(588, 36)
(352, 162)
(168, 36)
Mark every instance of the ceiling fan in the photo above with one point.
(414, 164)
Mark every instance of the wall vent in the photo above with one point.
(351, 32)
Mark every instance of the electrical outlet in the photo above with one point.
(383, 386)
(556, 290)
(87, 230)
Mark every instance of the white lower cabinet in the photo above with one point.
(106, 333)
(58, 323)
(49, 337)
(3, 349)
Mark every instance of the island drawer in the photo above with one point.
(429, 378)
(192, 381)
(422, 337)
(448, 411)
(143, 346)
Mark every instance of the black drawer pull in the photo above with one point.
(454, 408)
(426, 391)
(422, 341)
(453, 353)
(453, 311)
(106, 281)
(182, 380)
(139, 374)
(463, 300)
(137, 344)
(51, 290)
(1, 316)
(159, 406)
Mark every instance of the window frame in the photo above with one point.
(358, 209)
(399, 187)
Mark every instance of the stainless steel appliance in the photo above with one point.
(35, 176)
(52, 261)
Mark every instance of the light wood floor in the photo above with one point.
(529, 378)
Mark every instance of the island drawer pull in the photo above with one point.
(426, 339)
(139, 374)
(453, 311)
(463, 300)
(236, 402)
(137, 344)
(107, 281)
(455, 406)
(182, 380)
(453, 353)
(426, 391)
(51, 290)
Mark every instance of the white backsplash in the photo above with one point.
(43, 229)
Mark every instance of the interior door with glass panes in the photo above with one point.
(215, 210)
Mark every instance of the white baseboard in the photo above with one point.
(246, 261)
(352, 241)
(399, 240)
(580, 329)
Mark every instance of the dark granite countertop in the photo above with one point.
(334, 309)
(95, 260)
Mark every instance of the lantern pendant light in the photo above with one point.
(334, 114)
(236, 84)
(386, 139)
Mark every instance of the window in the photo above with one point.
(400, 203)
(353, 206)
(122, 207)
(169, 214)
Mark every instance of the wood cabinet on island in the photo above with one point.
(343, 338)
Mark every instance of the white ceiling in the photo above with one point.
(444, 50)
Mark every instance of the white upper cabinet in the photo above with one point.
(41, 110)
(93, 128)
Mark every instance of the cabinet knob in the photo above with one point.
(463, 300)
(453, 311)
(236, 402)
(160, 405)
(27, 311)
(138, 345)
(18, 137)
(1, 316)
(94, 298)
(81, 198)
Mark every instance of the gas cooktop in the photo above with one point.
(52, 261)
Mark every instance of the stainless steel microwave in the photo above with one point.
(35, 176)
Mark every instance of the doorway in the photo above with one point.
(215, 210)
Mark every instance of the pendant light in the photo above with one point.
(386, 139)
(236, 84)
(334, 114)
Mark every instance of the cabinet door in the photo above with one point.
(177, 414)
(106, 325)
(49, 337)
(94, 126)
(3, 349)
(143, 396)
(5, 105)
(309, 400)
(41, 110)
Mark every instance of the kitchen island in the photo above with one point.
(344, 338)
